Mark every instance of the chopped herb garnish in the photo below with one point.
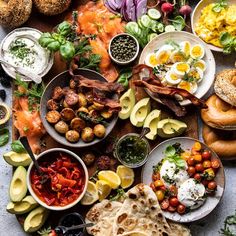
(229, 224)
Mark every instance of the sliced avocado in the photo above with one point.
(169, 128)
(27, 204)
(140, 112)
(17, 159)
(127, 102)
(18, 186)
(35, 219)
(151, 122)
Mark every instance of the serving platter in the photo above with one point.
(211, 202)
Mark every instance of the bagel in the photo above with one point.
(14, 12)
(222, 142)
(52, 7)
(219, 114)
(225, 86)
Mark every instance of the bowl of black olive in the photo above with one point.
(123, 49)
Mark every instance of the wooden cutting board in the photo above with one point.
(45, 24)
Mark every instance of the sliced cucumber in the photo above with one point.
(152, 36)
(169, 28)
(145, 21)
(154, 14)
(140, 24)
(160, 27)
(153, 26)
(132, 27)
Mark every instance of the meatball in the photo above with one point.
(57, 93)
(99, 130)
(53, 116)
(52, 105)
(87, 135)
(82, 100)
(72, 136)
(61, 127)
(71, 98)
(104, 163)
(77, 124)
(67, 114)
(88, 158)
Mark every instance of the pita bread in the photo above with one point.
(102, 215)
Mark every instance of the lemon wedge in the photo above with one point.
(91, 194)
(126, 175)
(104, 189)
(110, 177)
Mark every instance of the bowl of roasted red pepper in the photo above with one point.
(67, 178)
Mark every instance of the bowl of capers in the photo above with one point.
(123, 49)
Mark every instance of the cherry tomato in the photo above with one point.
(153, 186)
(181, 209)
(197, 158)
(171, 209)
(158, 183)
(215, 164)
(165, 204)
(195, 152)
(160, 195)
(206, 154)
(212, 185)
(163, 188)
(197, 176)
(185, 155)
(206, 164)
(191, 161)
(191, 170)
(155, 176)
(174, 201)
(52, 233)
(173, 190)
(205, 182)
(197, 146)
(199, 167)
(210, 174)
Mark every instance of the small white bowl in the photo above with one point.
(58, 208)
(123, 62)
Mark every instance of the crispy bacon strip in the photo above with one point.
(170, 91)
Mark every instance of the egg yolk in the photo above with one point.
(182, 67)
(178, 57)
(153, 60)
(199, 65)
(173, 77)
(185, 85)
(194, 74)
(197, 51)
(163, 57)
(187, 49)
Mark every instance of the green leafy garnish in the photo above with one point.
(173, 44)
(170, 151)
(228, 42)
(124, 77)
(188, 78)
(219, 6)
(229, 221)
(178, 22)
(17, 146)
(45, 231)
(120, 193)
(4, 136)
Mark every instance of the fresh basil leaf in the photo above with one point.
(225, 38)
(170, 151)
(17, 146)
(4, 136)
(180, 163)
(217, 8)
(178, 23)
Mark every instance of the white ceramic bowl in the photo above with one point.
(180, 36)
(123, 62)
(196, 15)
(58, 208)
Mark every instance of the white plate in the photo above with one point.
(211, 202)
(180, 36)
(196, 15)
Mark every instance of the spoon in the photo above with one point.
(27, 147)
(144, 131)
(63, 229)
(32, 76)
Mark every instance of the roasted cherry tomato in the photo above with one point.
(155, 176)
(195, 152)
(158, 183)
(181, 209)
(171, 209)
(197, 158)
(153, 186)
(197, 146)
(185, 155)
(173, 190)
(163, 188)
(191, 161)
(165, 204)
(191, 170)
(197, 176)
(160, 195)
(215, 164)
(206, 164)
(174, 201)
(209, 173)
(205, 182)
(206, 154)
(199, 167)
(212, 185)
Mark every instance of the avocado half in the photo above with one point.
(17, 159)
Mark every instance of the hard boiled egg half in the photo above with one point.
(196, 74)
(163, 54)
(185, 47)
(177, 56)
(180, 68)
(197, 51)
(151, 60)
(191, 87)
(200, 64)
(172, 78)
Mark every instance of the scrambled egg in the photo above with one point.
(211, 24)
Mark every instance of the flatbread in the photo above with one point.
(141, 211)
(102, 215)
(178, 229)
